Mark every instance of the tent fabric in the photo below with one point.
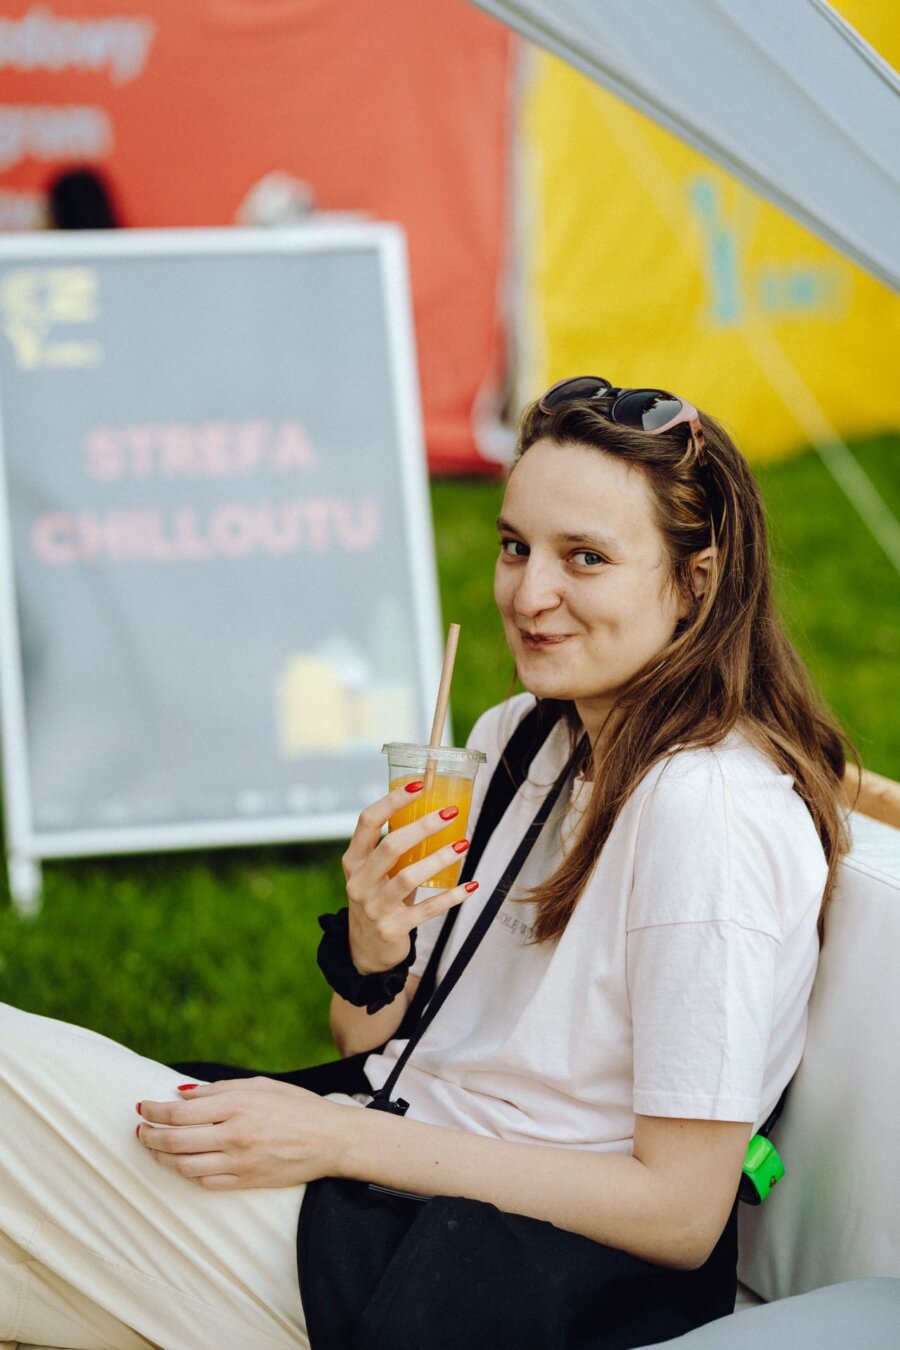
(783, 93)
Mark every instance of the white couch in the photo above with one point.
(832, 1226)
(833, 1223)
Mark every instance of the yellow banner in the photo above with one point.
(646, 263)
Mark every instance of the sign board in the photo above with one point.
(217, 587)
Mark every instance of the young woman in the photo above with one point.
(636, 1007)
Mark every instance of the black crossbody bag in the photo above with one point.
(385, 1270)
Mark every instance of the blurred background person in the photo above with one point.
(81, 199)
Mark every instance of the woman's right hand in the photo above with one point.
(382, 908)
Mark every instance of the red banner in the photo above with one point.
(399, 110)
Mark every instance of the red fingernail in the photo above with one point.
(449, 812)
(414, 787)
(138, 1131)
(186, 1087)
(460, 846)
(471, 886)
(138, 1107)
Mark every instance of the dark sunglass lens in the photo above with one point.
(646, 409)
(568, 391)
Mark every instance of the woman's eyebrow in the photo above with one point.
(576, 537)
(588, 537)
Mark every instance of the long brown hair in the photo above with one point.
(728, 664)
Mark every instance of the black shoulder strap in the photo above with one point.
(508, 776)
(382, 1100)
(771, 1121)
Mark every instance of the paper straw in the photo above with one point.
(443, 697)
(443, 700)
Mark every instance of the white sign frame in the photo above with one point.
(26, 845)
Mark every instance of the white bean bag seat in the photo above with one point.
(823, 1252)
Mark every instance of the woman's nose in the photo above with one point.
(538, 588)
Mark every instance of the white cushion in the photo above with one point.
(859, 1315)
(745, 1298)
(836, 1214)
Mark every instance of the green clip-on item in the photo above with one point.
(763, 1169)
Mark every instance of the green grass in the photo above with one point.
(211, 955)
(839, 594)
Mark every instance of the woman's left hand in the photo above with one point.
(245, 1132)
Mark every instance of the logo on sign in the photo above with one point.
(41, 311)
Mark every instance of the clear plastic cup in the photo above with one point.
(449, 777)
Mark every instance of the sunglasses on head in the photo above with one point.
(650, 410)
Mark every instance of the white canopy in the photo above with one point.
(783, 93)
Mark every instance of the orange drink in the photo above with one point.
(449, 777)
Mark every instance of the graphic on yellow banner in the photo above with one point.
(329, 702)
(737, 287)
(646, 263)
(37, 305)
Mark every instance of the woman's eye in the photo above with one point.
(513, 548)
(586, 557)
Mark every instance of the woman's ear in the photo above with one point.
(701, 570)
(699, 575)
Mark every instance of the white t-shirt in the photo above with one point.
(679, 986)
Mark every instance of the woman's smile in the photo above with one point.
(542, 641)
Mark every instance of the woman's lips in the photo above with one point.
(535, 641)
